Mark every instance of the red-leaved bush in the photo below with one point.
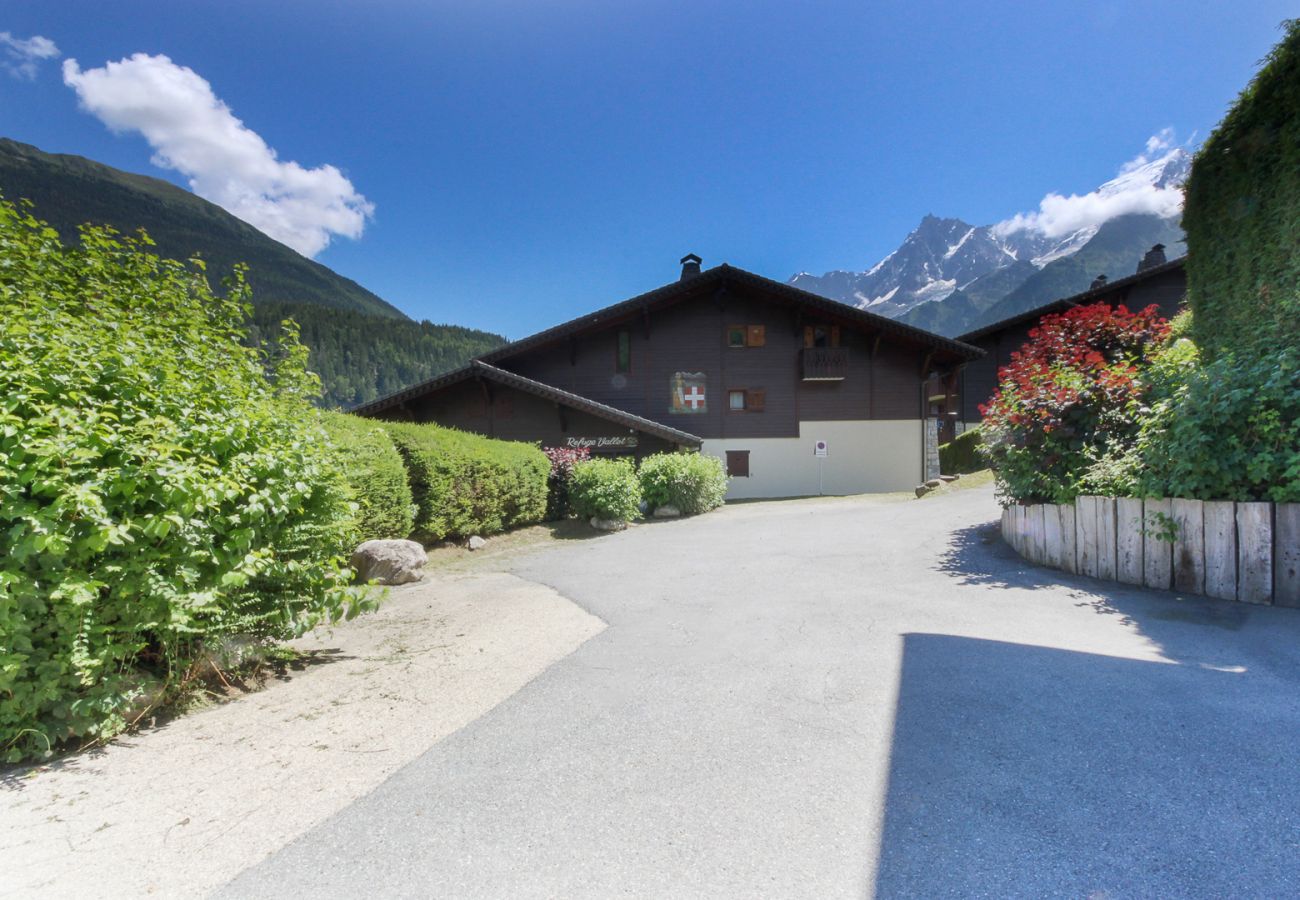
(563, 459)
(1069, 399)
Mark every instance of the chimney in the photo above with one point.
(1155, 257)
(690, 266)
(1099, 281)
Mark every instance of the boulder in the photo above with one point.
(607, 524)
(389, 562)
(922, 490)
(667, 511)
(947, 478)
(476, 543)
(933, 483)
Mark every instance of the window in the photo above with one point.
(623, 359)
(821, 336)
(746, 335)
(738, 463)
(749, 400)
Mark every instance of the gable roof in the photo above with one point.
(1081, 299)
(719, 276)
(479, 369)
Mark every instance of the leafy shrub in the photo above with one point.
(962, 454)
(374, 470)
(1241, 215)
(1070, 398)
(157, 486)
(465, 484)
(1227, 430)
(692, 482)
(606, 489)
(563, 459)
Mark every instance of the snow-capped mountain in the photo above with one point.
(944, 255)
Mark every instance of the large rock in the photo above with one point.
(476, 542)
(607, 524)
(389, 562)
(667, 511)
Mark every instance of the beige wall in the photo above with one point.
(864, 457)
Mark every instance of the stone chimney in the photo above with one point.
(1155, 257)
(1099, 281)
(690, 266)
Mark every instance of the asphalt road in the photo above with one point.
(849, 698)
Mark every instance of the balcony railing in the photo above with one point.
(825, 363)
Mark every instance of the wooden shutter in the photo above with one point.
(835, 335)
(755, 399)
(738, 463)
(757, 336)
(809, 336)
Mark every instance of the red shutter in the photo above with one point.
(757, 336)
(808, 336)
(738, 463)
(755, 399)
(835, 335)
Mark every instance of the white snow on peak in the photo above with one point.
(957, 246)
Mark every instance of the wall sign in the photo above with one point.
(820, 448)
(688, 396)
(619, 442)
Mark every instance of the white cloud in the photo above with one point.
(193, 132)
(1150, 182)
(22, 55)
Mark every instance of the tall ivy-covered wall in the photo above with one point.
(1242, 216)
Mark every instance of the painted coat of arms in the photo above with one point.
(688, 393)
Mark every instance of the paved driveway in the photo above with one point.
(846, 698)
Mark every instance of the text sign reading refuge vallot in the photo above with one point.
(820, 449)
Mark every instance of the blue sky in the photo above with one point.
(508, 165)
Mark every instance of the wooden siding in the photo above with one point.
(692, 337)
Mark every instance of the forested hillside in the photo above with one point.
(361, 346)
(361, 357)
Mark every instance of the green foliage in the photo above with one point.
(374, 470)
(465, 484)
(1225, 430)
(961, 455)
(606, 489)
(360, 356)
(692, 482)
(1242, 215)
(160, 483)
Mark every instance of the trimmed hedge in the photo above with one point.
(692, 482)
(465, 484)
(375, 472)
(606, 489)
(961, 455)
(1242, 215)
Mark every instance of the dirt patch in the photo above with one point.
(182, 808)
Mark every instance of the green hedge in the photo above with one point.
(157, 488)
(606, 489)
(375, 471)
(464, 484)
(1242, 215)
(692, 482)
(961, 455)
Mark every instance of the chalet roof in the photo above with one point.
(720, 276)
(479, 369)
(1081, 299)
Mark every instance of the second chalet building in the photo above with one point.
(798, 394)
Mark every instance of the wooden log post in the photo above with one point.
(1085, 511)
(1052, 536)
(1069, 555)
(1220, 549)
(1286, 555)
(1255, 552)
(1128, 540)
(1157, 554)
(1107, 567)
(1189, 546)
(1037, 532)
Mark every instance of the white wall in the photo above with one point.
(864, 457)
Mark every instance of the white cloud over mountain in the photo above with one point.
(23, 55)
(193, 132)
(1151, 182)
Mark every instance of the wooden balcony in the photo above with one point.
(825, 363)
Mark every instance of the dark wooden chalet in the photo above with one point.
(1156, 281)
(743, 367)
